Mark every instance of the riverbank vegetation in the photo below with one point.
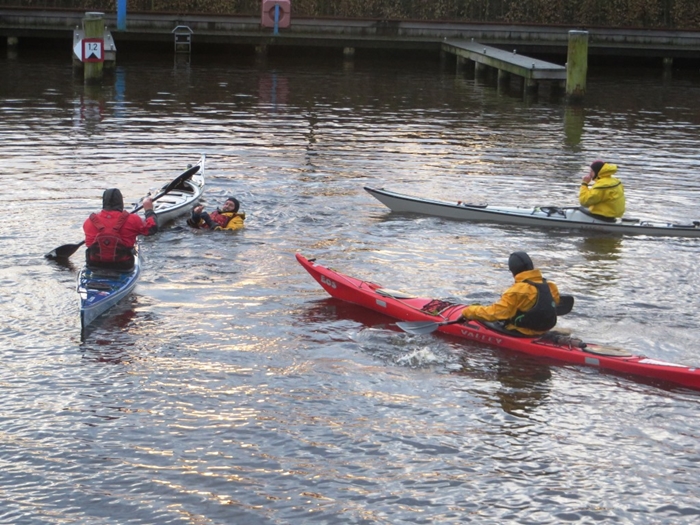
(647, 14)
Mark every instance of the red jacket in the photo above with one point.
(133, 227)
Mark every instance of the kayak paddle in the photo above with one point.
(425, 327)
(566, 303)
(66, 250)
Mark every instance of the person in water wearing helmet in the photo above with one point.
(226, 218)
(528, 307)
(110, 235)
(607, 195)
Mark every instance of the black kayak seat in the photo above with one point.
(500, 327)
(596, 216)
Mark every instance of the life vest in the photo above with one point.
(222, 218)
(543, 315)
(108, 246)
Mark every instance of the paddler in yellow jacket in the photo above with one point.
(607, 196)
(528, 307)
(226, 218)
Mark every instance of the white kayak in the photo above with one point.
(539, 216)
(181, 199)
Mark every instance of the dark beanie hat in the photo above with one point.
(519, 262)
(597, 165)
(235, 202)
(112, 200)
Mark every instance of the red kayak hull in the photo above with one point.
(408, 308)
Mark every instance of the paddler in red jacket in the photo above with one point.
(110, 235)
(606, 197)
(528, 307)
(226, 218)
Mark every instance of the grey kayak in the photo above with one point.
(539, 216)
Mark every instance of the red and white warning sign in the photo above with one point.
(90, 50)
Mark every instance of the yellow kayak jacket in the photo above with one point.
(236, 221)
(520, 297)
(607, 195)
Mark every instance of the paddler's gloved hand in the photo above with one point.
(196, 216)
(208, 220)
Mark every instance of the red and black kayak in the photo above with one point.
(553, 345)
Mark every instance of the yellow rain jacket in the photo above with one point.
(607, 196)
(235, 222)
(521, 296)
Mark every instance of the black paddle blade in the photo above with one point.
(64, 252)
(181, 178)
(566, 303)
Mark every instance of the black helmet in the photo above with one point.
(596, 166)
(519, 262)
(112, 200)
(236, 204)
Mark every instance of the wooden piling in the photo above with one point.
(93, 27)
(577, 65)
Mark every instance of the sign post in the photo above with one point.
(92, 51)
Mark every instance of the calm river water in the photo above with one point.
(230, 389)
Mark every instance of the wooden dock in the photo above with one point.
(532, 70)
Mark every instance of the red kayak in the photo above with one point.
(553, 345)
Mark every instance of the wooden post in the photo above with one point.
(94, 27)
(530, 86)
(577, 65)
(503, 78)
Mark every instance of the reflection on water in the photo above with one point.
(601, 256)
(597, 248)
(574, 120)
(230, 389)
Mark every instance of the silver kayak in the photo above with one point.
(541, 216)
